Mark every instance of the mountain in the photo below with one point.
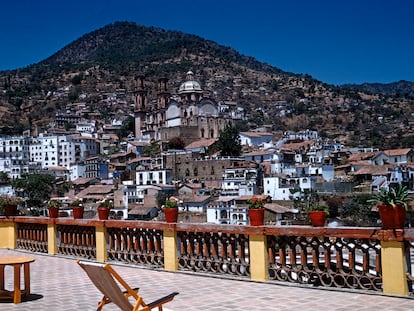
(126, 44)
(400, 88)
(98, 71)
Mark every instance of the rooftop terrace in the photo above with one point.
(214, 267)
(58, 283)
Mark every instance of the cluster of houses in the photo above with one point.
(210, 188)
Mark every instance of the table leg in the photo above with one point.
(17, 293)
(2, 277)
(26, 268)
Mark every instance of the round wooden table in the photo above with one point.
(17, 262)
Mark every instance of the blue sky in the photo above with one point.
(335, 41)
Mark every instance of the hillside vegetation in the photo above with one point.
(103, 64)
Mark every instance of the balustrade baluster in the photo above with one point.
(378, 263)
(304, 257)
(327, 258)
(365, 261)
(143, 243)
(206, 250)
(339, 259)
(214, 247)
(351, 259)
(315, 258)
(292, 256)
(128, 242)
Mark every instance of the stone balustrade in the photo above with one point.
(368, 259)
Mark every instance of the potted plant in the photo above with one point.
(77, 209)
(318, 214)
(392, 204)
(256, 211)
(9, 203)
(53, 207)
(104, 208)
(170, 209)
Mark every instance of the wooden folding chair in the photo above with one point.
(107, 280)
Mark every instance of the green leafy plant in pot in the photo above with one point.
(104, 208)
(77, 209)
(256, 211)
(53, 207)
(170, 209)
(318, 214)
(392, 205)
(9, 204)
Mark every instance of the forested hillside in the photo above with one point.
(103, 64)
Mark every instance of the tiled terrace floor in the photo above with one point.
(58, 283)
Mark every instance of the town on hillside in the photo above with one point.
(176, 149)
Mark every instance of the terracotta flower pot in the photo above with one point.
(392, 218)
(103, 212)
(53, 212)
(317, 218)
(171, 214)
(10, 210)
(77, 212)
(256, 216)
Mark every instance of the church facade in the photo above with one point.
(188, 114)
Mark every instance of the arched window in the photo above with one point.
(202, 133)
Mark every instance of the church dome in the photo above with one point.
(190, 86)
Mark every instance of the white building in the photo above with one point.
(225, 211)
(239, 181)
(279, 186)
(66, 150)
(14, 156)
(255, 138)
(154, 176)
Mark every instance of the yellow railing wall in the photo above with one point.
(394, 266)
(8, 234)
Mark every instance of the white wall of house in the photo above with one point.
(279, 187)
(272, 187)
(151, 177)
(77, 171)
(398, 159)
(380, 159)
(66, 152)
(227, 213)
(239, 181)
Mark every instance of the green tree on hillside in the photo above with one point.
(37, 188)
(229, 142)
(127, 127)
